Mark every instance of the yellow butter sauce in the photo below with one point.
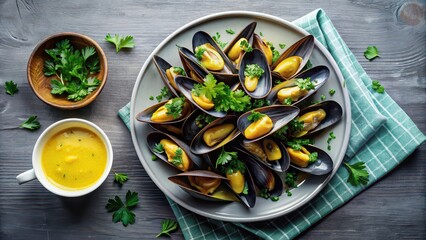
(74, 158)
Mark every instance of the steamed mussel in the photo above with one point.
(230, 133)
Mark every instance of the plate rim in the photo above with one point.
(266, 17)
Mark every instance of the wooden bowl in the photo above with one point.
(40, 83)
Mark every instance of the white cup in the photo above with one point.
(37, 171)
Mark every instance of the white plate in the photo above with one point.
(277, 31)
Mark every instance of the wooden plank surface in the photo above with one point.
(393, 208)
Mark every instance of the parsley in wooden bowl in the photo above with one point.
(67, 70)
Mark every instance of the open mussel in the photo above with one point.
(264, 178)
(173, 129)
(318, 116)
(159, 113)
(190, 63)
(205, 185)
(262, 122)
(236, 48)
(292, 61)
(215, 135)
(194, 123)
(262, 45)
(292, 92)
(168, 73)
(269, 152)
(255, 75)
(310, 159)
(185, 86)
(174, 152)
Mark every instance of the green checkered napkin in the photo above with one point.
(382, 136)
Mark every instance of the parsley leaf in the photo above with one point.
(255, 116)
(282, 45)
(253, 70)
(199, 51)
(275, 53)
(121, 178)
(229, 162)
(331, 92)
(331, 137)
(218, 41)
(123, 212)
(177, 158)
(203, 119)
(257, 103)
(167, 226)
(357, 173)
(287, 101)
(158, 148)
(281, 133)
(246, 46)
(31, 123)
(371, 52)
(245, 189)
(378, 87)
(313, 157)
(308, 65)
(297, 143)
(291, 182)
(322, 97)
(305, 83)
(120, 41)
(179, 71)
(163, 94)
(175, 107)
(230, 31)
(11, 87)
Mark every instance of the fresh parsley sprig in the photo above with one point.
(253, 70)
(255, 116)
(175, 108)
(203, 119)
(358, 174)
(229, 163)
(371, 52)
(177, 158)
(121, 178)
(31, 123)
(246, 46)
(11, 87)
(120, 41)
(305, 83)
(123, 211)
(298, 143)
(216, 38)
(158, 148)
(168, 226)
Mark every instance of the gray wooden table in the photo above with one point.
(393, 208)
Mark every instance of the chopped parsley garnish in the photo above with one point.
(230, 31)
(153, 158)
(168, 226)
(245, 189)
(297, 143)
(287, 101)
(308, 65)
(218, 41)
(229, 162)
(31, 123)
(223, 98)
(281, 133)
(322, 97)
(313, 157)
(177, 158)
(255, 116)
(371, 52)
(175, 107)
(275, 198)
(275, 53)
(151, 97)
(358, 173)
(291, 182)
(261, 34)
(203, 119)
(257, 103)
(331, 92)
(158, 148)
(199, 51)
(331, 137)
(11, 87)
(296, 125)
(277, 81)
(378, 87)
(123, 211)
(120, 41)
(246, 46)
(121, 178)
(305, 83)
(265, 194)
(163, 94)
(253, 70)
(179, 71)
(282, 45)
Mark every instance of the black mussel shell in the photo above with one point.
(279, 114)
(265, 81)
(173, 129)
(145, 115)
(190, 64)
(162, 66)
(190, 128)
(323, 165)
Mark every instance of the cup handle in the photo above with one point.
(26, 176)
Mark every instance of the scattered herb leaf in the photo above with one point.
(331, 92)
(322, 97)
(203, 119)
(11, 87)
(230, 31)
(282, 45)
(177, 158)
(257, 103)
(297, 143)
(253, 70)
(123, 211)
(331, 136)
(199, 51)
(378, 87)
(371, 52)
(358, 173)
(31, 123)
(218, 41)
(305, 83)
(164, 93)
(121, 178)
(255, 116)
(120, 41)
(167, 226)
(246, 46)
(229, 162)
(175, 107)
(158, 148)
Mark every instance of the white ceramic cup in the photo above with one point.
(37, 171)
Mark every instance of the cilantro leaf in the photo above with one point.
(120, 41)
(123, 212)
(31, 123)
(253, 70)
(371, 52)
(357, 173)
(175, 107)
(167, 226)
(11, 87)
(121, 178)
(255, 116)
(218, 41)
(230, 31)
(378, 87)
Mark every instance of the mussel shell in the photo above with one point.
(145, 115)
(262, 175)
(280, 165)
(258, 43)
(198, 146)
(265, 81)
(279, 114)
(155, 137)
(185, 85)
(333, 111)
(162, 66)
(182, 181)
(201, 38)
(302, 48)
(190, 64)
(323, 165)
(246, 33)
(319, 75)
(189, 126)
(173, 129)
